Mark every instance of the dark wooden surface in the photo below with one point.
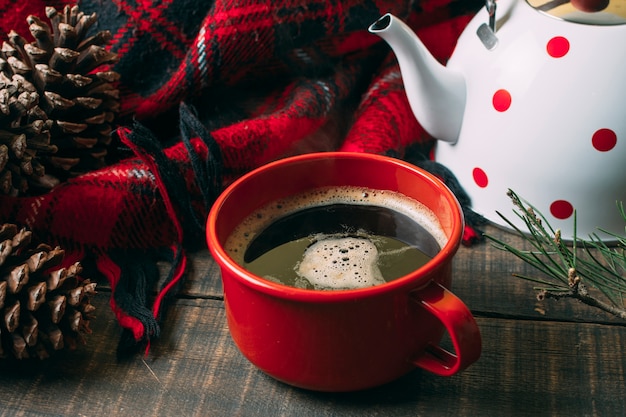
(539, 359)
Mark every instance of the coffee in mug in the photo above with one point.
(334, 238)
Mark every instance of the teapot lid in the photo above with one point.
(591, 12)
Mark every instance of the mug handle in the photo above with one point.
(459, 323)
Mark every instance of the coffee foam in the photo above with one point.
(341, 263)
(247, 230)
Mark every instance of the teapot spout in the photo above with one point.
(436, 94)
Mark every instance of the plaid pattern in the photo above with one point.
(267, 78)
(173, 49)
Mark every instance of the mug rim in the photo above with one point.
(313, 295)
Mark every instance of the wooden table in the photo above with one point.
(539, 359)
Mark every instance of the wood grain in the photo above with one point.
(564, 362)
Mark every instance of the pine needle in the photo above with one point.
(569, 270)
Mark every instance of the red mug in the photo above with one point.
(344, 340)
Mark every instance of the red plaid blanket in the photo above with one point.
(210, 90)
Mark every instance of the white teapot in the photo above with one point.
(533, 99)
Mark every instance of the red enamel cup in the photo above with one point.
(344, 340)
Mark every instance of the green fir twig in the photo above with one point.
(570, 269)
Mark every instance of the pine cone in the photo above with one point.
(43, 307)
(57, 104)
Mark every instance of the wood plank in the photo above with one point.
(482, 278)
(532, 363)
(527, 368)
(203, 276)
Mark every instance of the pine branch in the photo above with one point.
(570, 270)
(581, 293)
